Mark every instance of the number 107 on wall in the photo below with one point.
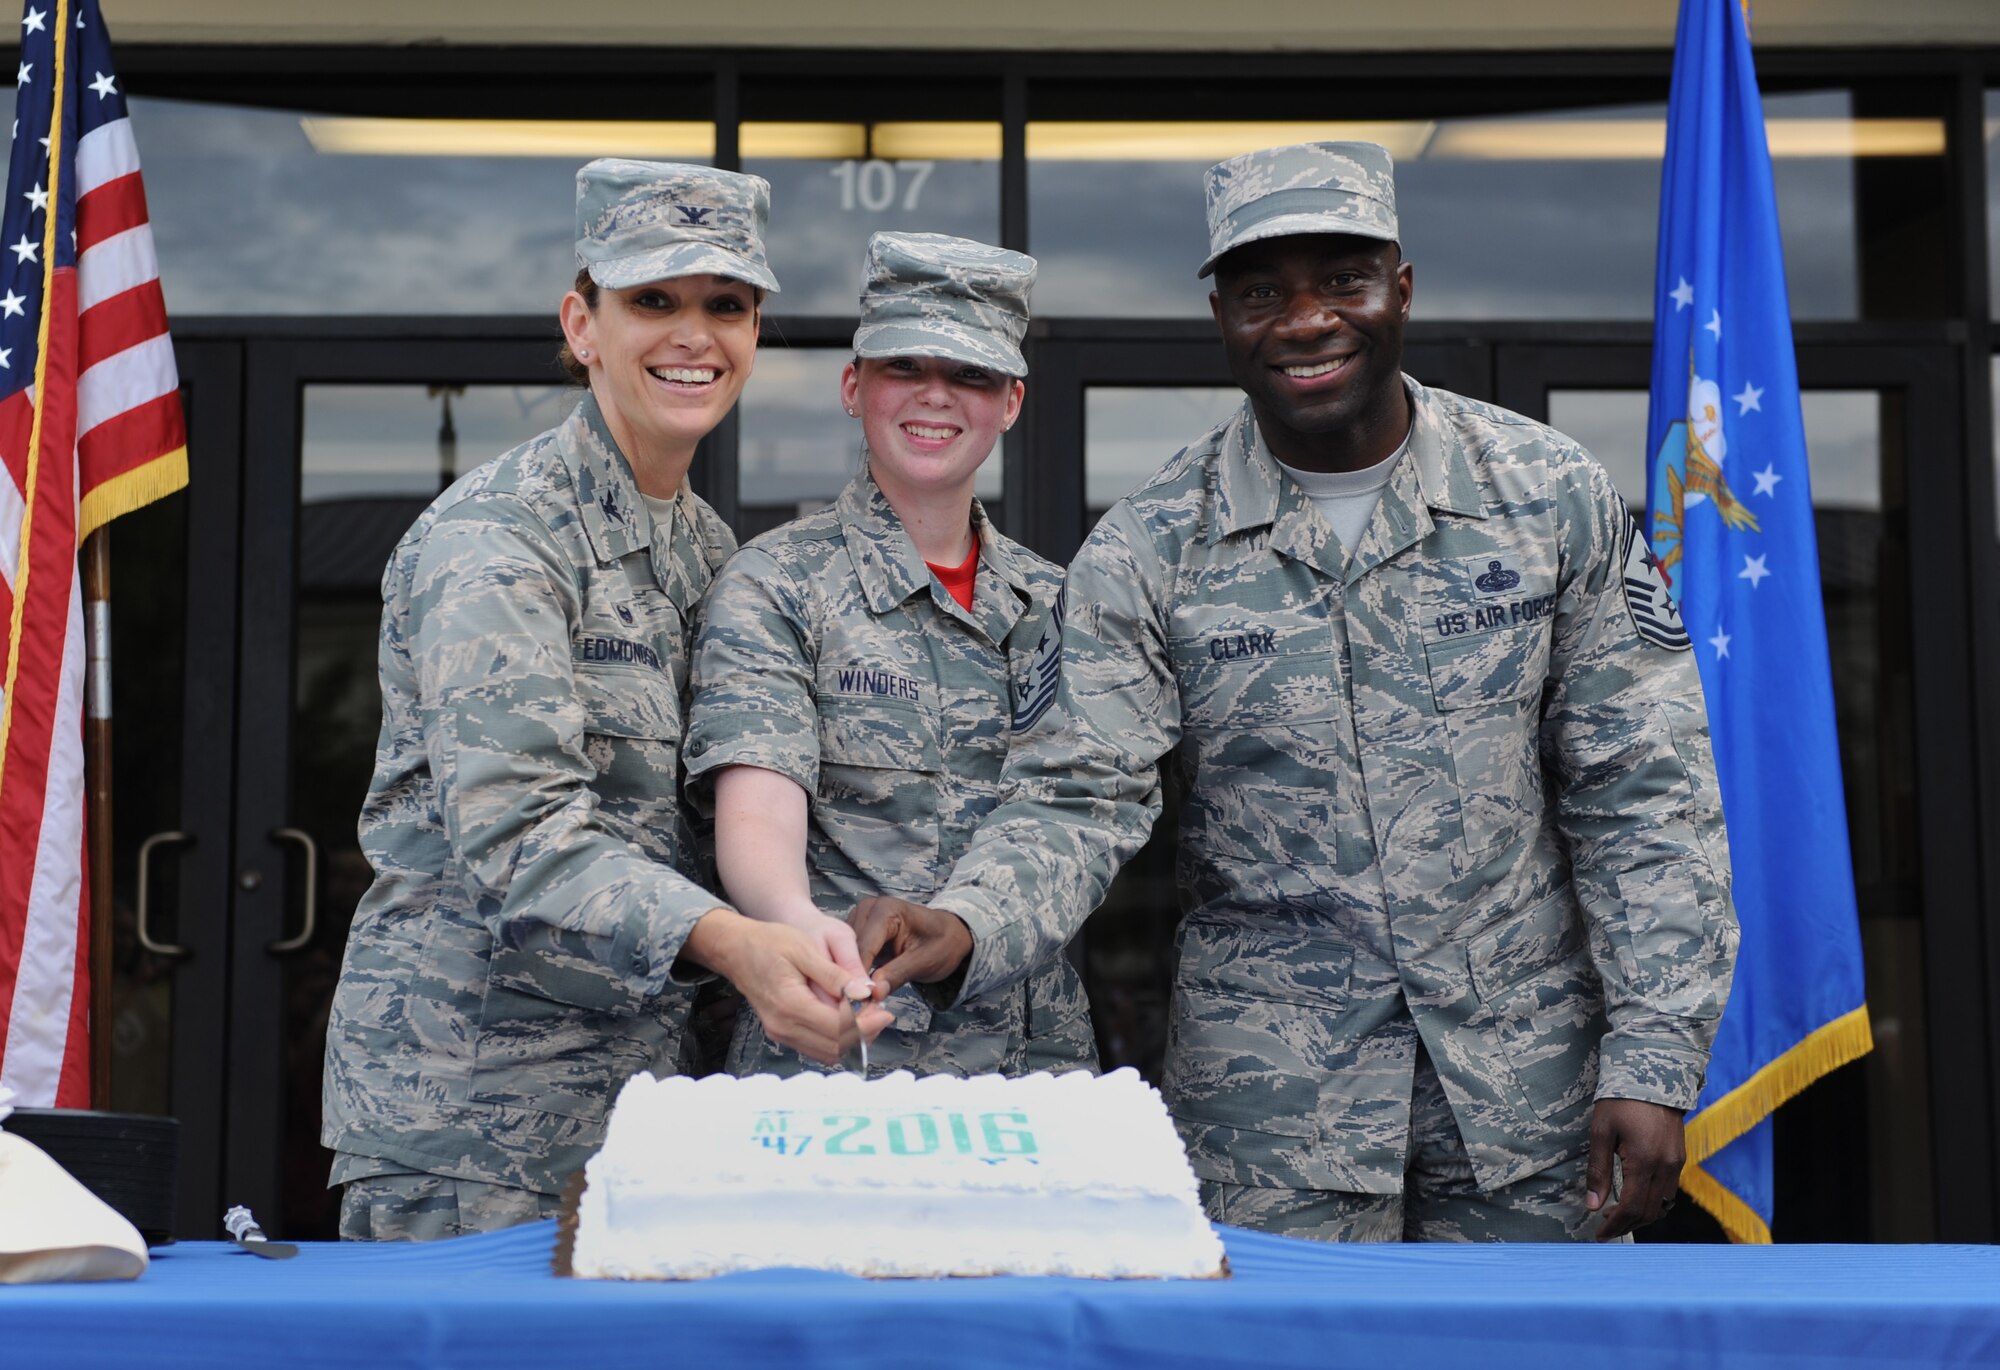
(875, 185)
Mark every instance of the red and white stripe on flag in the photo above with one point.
(93, 430)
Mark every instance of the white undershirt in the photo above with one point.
(662, 511)
(1347, 499)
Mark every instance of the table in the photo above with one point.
(490, 1303)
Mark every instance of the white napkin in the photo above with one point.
(52, 1228)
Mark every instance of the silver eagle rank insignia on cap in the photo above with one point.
(1303, 188)
(652, 221)
(929, 295)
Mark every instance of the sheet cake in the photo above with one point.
(1044, 1175)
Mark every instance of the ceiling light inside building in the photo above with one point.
(579, 139)
(1532, 139)
(939, 141)
(1560, 140)
(804, 140)
(1212, 142)
(892, 140)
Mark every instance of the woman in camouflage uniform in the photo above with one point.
(533, 936)
(859, 672)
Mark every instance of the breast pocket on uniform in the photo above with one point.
(1487, 687)
(878, 778)
(1233, 681)
(632, 738)
(1263, 714)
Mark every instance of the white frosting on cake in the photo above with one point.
(1046, 1175)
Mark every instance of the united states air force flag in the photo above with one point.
(1731, 520)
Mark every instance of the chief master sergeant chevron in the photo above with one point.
(1457, 926)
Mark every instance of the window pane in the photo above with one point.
(1525, 216)
(834, 184)
(337, 216)
(391, 441)
(374, 455)
(1993, 199)
(1612, 425)
(797, 447)
(1843, 442)
(1130, 431)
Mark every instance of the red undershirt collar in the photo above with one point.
(957, 580)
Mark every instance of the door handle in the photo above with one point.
(291, 944)
(144, 920)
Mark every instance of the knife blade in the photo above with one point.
(853, 1046)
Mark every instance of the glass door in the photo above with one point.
(349, 441)
(1862, 1153)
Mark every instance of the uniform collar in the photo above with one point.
(890, 570)
(1252, 491)
(607, 495)
(1444, 471)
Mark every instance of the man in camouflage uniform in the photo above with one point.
(830, 655)
(520, 952)
(1458, 927)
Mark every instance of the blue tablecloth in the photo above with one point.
(490, 1303)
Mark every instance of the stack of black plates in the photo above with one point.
(125, 1159)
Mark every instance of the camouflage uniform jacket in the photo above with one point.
(830, 655)
(1448, 773)
(511, 965)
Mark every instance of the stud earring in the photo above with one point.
(852, 415)
(583, 354)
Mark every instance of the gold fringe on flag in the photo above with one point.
(1738, 1219)
(1845, 1039)
(133, 489)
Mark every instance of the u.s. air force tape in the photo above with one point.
(1654, 612)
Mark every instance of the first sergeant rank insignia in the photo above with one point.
(1044, 670)
(1654, 612)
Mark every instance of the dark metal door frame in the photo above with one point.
(212, 373)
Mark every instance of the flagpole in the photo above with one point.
(97, 790)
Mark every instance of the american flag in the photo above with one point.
(90, 428)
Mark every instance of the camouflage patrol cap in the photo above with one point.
(928, 295)
(1304, 188)
(651, 221)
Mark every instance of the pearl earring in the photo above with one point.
(851, 414)
(583, 354)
